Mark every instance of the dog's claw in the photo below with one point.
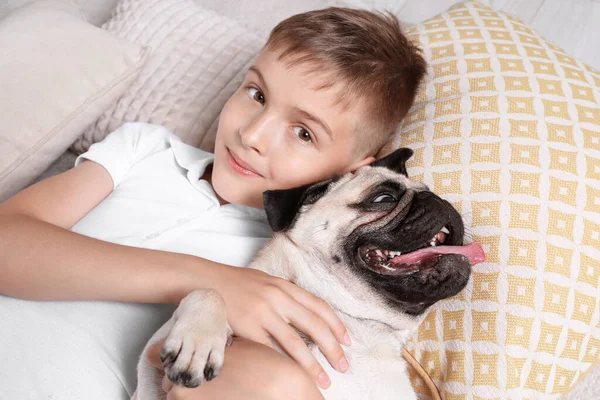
(209, 373)
(187, 380)
(168, 357)
(184, 378)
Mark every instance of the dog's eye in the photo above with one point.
(385, 198)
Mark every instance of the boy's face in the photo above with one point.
(277, 132)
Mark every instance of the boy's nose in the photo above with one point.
(258, 133)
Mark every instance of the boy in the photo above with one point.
(144, 218)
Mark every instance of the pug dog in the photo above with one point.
(378, 247)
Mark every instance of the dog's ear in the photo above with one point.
(395, 161)
(282, 206)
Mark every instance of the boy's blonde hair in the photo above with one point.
(368, 53)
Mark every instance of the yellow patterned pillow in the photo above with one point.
(507, 128)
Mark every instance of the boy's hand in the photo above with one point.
(278, 376)
(260, 306)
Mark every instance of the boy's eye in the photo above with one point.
(302, 134)
(256, 95)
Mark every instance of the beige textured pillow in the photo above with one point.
(198, 60)
(507, 127)
(57, 75)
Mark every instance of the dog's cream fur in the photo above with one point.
(302, 255)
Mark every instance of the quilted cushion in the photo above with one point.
(507, 127)
(198, 60)
(58, 74)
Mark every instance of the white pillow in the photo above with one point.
(198, 60)
(58, 74)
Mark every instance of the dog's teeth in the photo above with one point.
(395, 253)
(445, 230)
(432, 243)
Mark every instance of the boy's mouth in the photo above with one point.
(239, 165)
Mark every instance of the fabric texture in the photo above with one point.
(506, 126)
(58, 74)
(198, 60)
(89, 349)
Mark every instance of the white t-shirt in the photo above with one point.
(89, 350)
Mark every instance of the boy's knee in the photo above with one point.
(294, 383)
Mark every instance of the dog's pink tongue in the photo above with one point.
(474, 252)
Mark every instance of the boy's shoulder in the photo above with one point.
(135, 142)
(143, 131)
(140, 134)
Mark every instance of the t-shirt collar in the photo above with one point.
(195, 161)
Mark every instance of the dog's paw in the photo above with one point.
(194, 348)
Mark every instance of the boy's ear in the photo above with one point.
(282, 206)
(396, 161)
(366, 161)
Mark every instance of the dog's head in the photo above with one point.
(379, 234)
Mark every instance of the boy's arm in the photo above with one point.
(43, 260)
(40, 259)
(277, 378)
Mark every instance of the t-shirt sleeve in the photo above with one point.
(127, 145)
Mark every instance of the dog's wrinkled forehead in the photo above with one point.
(388, 172)
(283, 206)
(393, 168)
(365, 182)
(383, 175)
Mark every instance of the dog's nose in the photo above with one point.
(422, 195)
(424, 202)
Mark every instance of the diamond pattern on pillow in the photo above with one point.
(507, 127)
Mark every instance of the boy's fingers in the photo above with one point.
(318, 330)
(259, 336)
(167, 385)
(323, 310)
(153, 354)
(293, 344)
